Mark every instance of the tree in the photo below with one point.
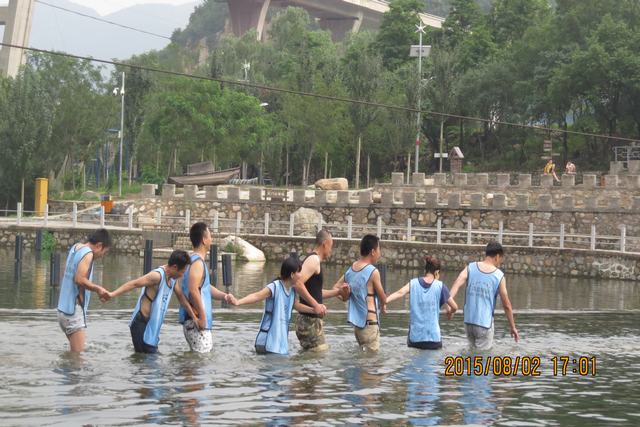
(398, 32)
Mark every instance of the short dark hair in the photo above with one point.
(431, 264)
(179, 258)
(322, 236)
(493, 249)
(368, 243)
(100, 236)
(196, 233)
(289, 266)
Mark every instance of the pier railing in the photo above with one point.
(438, 233)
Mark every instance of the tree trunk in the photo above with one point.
(368, 169)
(22, 193)
(441, 142)
(358, 161)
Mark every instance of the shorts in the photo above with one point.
(71, 324)
(479, 337)
(425, 345)
(310, 332)
(199, 341)
(368, 337)
(137, 328)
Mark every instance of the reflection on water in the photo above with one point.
(43, 384)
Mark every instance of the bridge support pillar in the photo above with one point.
(248, 14)
(16, 18)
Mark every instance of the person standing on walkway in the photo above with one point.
(77, 285)
(148, 315)
(309, 325)
(484, 282)
(366, 297)
(426, 295)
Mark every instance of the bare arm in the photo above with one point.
(460, 280)
(152, 278)
(452, 307)
(255, 297)
(184, 302)
(301, 308)
(399, 293)
(377, 287)
(342, 287)
(196, 275)
(82, 276)
(508, 309)
(310, 266)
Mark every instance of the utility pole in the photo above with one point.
(121, 136)
(420, 30)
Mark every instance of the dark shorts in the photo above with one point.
(425, 345)
(137, 328)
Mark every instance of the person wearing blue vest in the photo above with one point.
(366, 297)
(76, 287)
(153, 302)
(196, 315)
(426, 295)
(280, 296)
(484, 282)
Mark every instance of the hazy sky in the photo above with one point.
(105, 7)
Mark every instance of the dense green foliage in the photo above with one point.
(571, 66)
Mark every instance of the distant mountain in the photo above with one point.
(60, 30)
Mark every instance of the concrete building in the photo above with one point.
(16, 18)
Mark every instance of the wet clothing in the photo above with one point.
(138, 327)
(157, 312)
(310, 332)
(368, 337)
(273, 336)
(205, 292)
(479, 337)
(424, 313)
(71, 297)
(314, 284)
(358, 307)
(73, 323)
(200, 341)
(480, 296)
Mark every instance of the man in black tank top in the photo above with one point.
(310, 327)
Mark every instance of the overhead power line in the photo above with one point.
(319, 96)
(95, 18)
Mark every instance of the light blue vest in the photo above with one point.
(480, 296)
(424, 311)
(69, 289)
(273, 336)
(205, 292)
(159, 307)
(358, 308)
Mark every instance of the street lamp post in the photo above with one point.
(420, 30)
(121, 133)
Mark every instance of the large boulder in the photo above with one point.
(244, 249)
(306, 222)
(332, 184)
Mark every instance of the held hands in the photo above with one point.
(344, 291)
(320, 310)
(450, 313)
(230, 299)
(104, 294)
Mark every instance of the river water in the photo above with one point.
(43, 384)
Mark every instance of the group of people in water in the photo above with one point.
(300, 286)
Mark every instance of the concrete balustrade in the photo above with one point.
(387, 198)
(233, 193)
(476, 200)
(417, 179)
(431, 200)
(546, 181)
(633, 166)
(320, 198)
(522, 201)
(611, 181)
(149, 190)
(365, 198)
(636, 204)
(503, 180)
(482, 179)
(589, 181)
(299, 196)
(568, 203)
(499, 201)
(545, 202)
(255, 194)
(460, 179)
(397, 179)
(190, 192)
(453, 201)
(440, 179)
(633, 182)
(568, 180)
(168, 191)
(524, 180)
(591, 203)
(342, 198)
(211, 192)
(614, 203)
(409, 199)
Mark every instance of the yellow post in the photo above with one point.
(42, 193)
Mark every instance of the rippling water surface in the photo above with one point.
(42, 384)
